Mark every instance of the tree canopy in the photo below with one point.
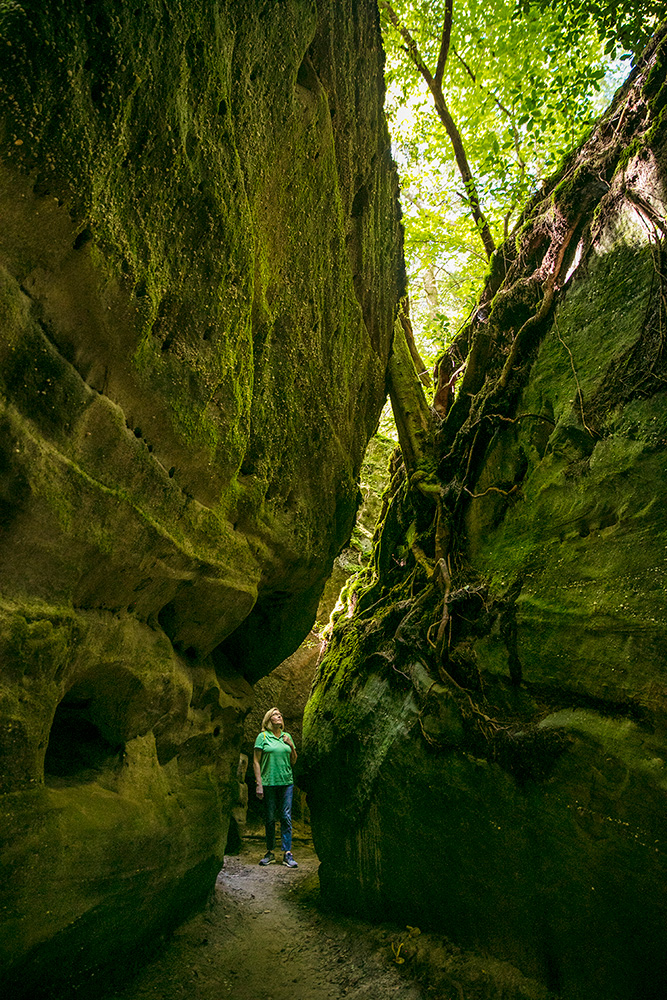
(622, 26)
(504, 88)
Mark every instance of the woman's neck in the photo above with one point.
(276, 730)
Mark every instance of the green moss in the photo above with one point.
(632, 150)
(655, 78)
(14, 310)
(36, 640)
(522, 234)
(527, 749)
(213, 260)
(565, 195)
(110, 158)
(343, 707)
(576, 537)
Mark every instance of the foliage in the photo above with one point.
(621, 26)
(524, 87)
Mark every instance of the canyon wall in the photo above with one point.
(200, 257)
(486, 739)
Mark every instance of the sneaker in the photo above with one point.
(288, 860)
(268, 859)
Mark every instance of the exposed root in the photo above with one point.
(646, 210)
(576, 379)
(490, 489)
(543, 311)
(494, 725)
(445, 459)
(519, 416)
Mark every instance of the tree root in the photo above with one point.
(580, 395)
(490, 489)
(533, 321)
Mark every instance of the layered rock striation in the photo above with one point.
(486, 739)
(199, 265)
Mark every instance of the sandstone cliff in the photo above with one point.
(199, 264)
(486, 739)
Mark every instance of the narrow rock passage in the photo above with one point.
(262, 936)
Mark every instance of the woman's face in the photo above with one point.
(277, 719)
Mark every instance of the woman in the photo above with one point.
(273, 758)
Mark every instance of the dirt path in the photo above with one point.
(262, 936)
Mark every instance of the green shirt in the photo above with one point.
(275, 766)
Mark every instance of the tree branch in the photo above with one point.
(515, 135)
(444, 44)
(412, 413)
(435, 86)
(410, 44)
(461, 158)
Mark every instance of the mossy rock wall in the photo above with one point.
(200, 257)
(498, 772)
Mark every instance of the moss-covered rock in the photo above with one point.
(486, 741)
(199, 267)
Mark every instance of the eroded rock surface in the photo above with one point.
(486, 739)
(199, 263)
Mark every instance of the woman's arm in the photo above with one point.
(256, 766)
(288, 740)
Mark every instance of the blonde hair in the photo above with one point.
(265, 720)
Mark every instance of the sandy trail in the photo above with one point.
(262, 936)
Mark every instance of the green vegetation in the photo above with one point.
(620, 26)
(485, 99)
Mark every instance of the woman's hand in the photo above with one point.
(259, 791)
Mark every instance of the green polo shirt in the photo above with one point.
(275, 766)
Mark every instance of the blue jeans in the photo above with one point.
(278, 803)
